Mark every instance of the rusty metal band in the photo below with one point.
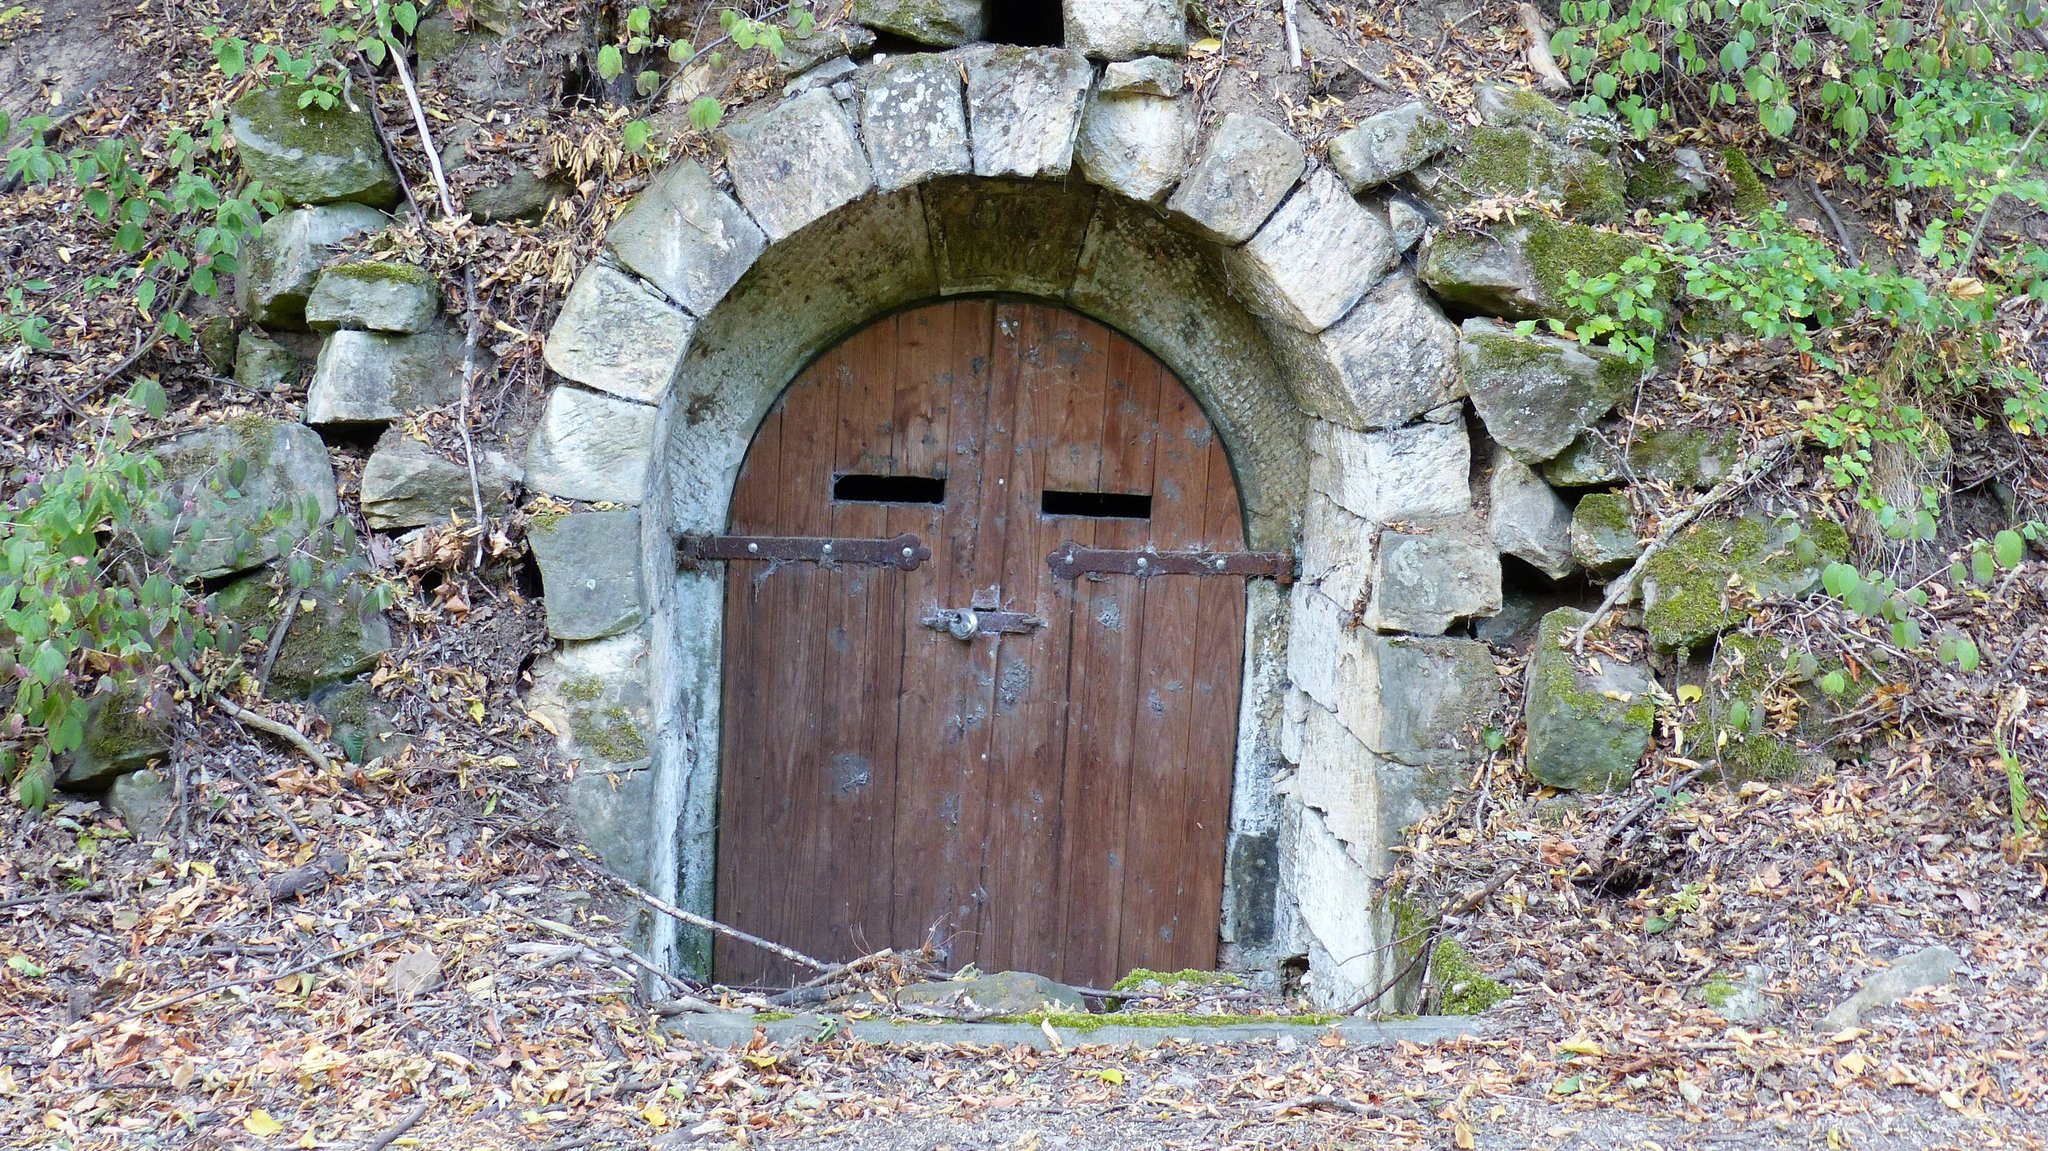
(1072, 561)
(905, 551)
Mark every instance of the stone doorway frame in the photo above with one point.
(1297, 342)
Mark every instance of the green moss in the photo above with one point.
(312, 155)
(583, 689)
(1083, 1021)
(1658, 182)
(1513, 161)
(1760, 670)
(1716, 992)
(1685, 457)
(1507, 354)
(1557, 248)
(1686, 585)
(381, 272)
(773, 1016)
(1605, 511)
(612, 734)
(1139, 976)
(1466, 990)
(1751, 196)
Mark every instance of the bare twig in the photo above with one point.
(261, 796)
(284, 626)
(391, 1134)
(1977, 233)
(1293, 36)
(223, 985)
(698, 921)
(384, 139)
(1835, 218)
(613, 951)
(1549, 77)
(476, 319)
(261, 723)
(419, 119)
(1323, 1103)
(1381, 83)
(1765, 456)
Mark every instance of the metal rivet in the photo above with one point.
(828, 549)
(1220, 562)
(1142, 565)
(1067, 559)
(753, 549)
(907, 553)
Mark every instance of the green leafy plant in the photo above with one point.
(642, 44)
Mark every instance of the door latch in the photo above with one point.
(964, 623)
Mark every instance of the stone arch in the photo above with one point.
(1263, 282)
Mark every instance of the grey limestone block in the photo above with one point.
(405, 485)
(310, 154)
(1315, 258)
(913, 118)
(1025, 108)
(941, 23)
(1145, 76)
(590, 572)
(616, 336)
(1589, 720)
(1528, 520)
(379, 296)
(286, 488)
(1134, 145)
(796, 161)
(1422, 584)
(369, 378)
(1388, 145)
(283, 260)
(591, 447)
(1536, 393)
(1245, 168)
(1122, 29)
(1392, 358)
(686, 237)
(1420, 473)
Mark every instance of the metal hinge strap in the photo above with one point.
(905, 551)
(1072, 561)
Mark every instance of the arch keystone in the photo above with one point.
(1025, 105)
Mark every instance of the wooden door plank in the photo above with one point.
(941, 396)
(1021, 874)
(1107, 628)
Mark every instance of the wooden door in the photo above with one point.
(1052, 798)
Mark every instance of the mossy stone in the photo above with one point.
(1517, 161)
(1524, 271)
(312, 155)
(264, 365)
(1695, 458)
(217, 344)
(1589, 720)
(359, 724)
(124, 730)
(1788, 712)
(1693, 586)
(337, 633)
(1751, 197)
(1603, 533)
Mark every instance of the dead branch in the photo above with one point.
(1549, 77)
(262, 797)
(1293, 36)
(1765, 457)
(284, 626)
(1323, 1103)
(384, 139)
(1835, 218)
(310, 878)
(261, 723)
(698, 921)
(419, 119)
(476, 319)
(1382, 84)
(391, 1134)
(613, 951)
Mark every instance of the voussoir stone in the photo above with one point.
(1419, 474)
(1246, 167)
(282, 484)
(616, 336)
(1136, 146)
(687, 238)
(405, 485)
(1145, 76)
(1318, 254)
(796, 161)
(1025, 108)
(1392, 358)
(376, 295)
(1121, 29)
(591, 447)
(590, 572)
(942, 23)
(281, 263)
(1537, 393)
(312, 155)
(913, 118)
(375, 377)
(1425, 583)
(1529, 520)
(1388, 145)
(1589, 720)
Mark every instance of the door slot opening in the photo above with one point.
(1096, 505)
(856, 488)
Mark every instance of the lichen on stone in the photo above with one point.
(611, 733)
(1139, 976)
(381, 271)
(1687, 593)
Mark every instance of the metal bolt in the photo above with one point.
(1068, 559)
(828, 549)
(907, 553)
(1142, 565)
(1220, 563)
(753, 549)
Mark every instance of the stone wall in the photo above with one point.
(1302, 298)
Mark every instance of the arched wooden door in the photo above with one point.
(1049, 793)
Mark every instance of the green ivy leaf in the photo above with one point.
(705, 113)
(2008, 549)
(610, 64)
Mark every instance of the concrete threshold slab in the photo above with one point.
(733, 1029)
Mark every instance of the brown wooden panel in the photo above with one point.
(1055, 800)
